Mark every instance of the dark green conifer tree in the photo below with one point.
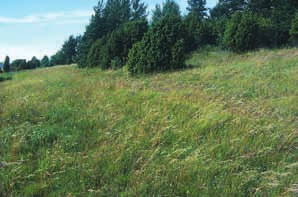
(198, 7)
(6, 65)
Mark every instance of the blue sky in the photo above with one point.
(37, 28)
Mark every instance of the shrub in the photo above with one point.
(160, 49)
(242, 32)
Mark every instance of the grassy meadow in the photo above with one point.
(226, 127)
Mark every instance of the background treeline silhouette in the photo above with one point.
(123, 33)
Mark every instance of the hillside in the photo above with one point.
(226, 127)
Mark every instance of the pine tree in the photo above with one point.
(96, 29)
(156, 14)
(169, 7)
(228, 7)
(198, 7)
(6, 66)
(138, 10)
(116, 13)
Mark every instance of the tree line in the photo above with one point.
(120, 33)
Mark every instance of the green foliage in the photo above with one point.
(116, 13)
(265, 32)
(260, 6)
(226, 8)
(138, 10)
(191, 22)
(156, 14)
(95, 29)
(6, 65)
(279, 15)
(45, 61)
(169, 7)
(69, 49)
(199, 32)
(98, 54)
(18, 64)
(68, 54)
(58, 58)
(218, 11)
(112, 49)
(220, 29)
(294, 31)
(206, 33)
(33, 63)
(198, 7)
(281, 19)
(107, 18)
(162, 47)
(242, 32)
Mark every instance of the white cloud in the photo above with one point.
(76, 15)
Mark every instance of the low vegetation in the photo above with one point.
(226, 127)
(5, 76)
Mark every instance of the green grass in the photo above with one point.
(227, 127)
(5, 76)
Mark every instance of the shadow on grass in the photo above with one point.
(4, 77)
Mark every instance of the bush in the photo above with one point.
(160, 49)
(111, 50)
(242, 32)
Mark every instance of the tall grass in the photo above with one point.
(227, 127)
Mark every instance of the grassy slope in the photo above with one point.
(225, 128)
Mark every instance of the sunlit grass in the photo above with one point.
(227, 127)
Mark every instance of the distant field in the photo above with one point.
(227, 127)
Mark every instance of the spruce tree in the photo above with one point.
(6, 66)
